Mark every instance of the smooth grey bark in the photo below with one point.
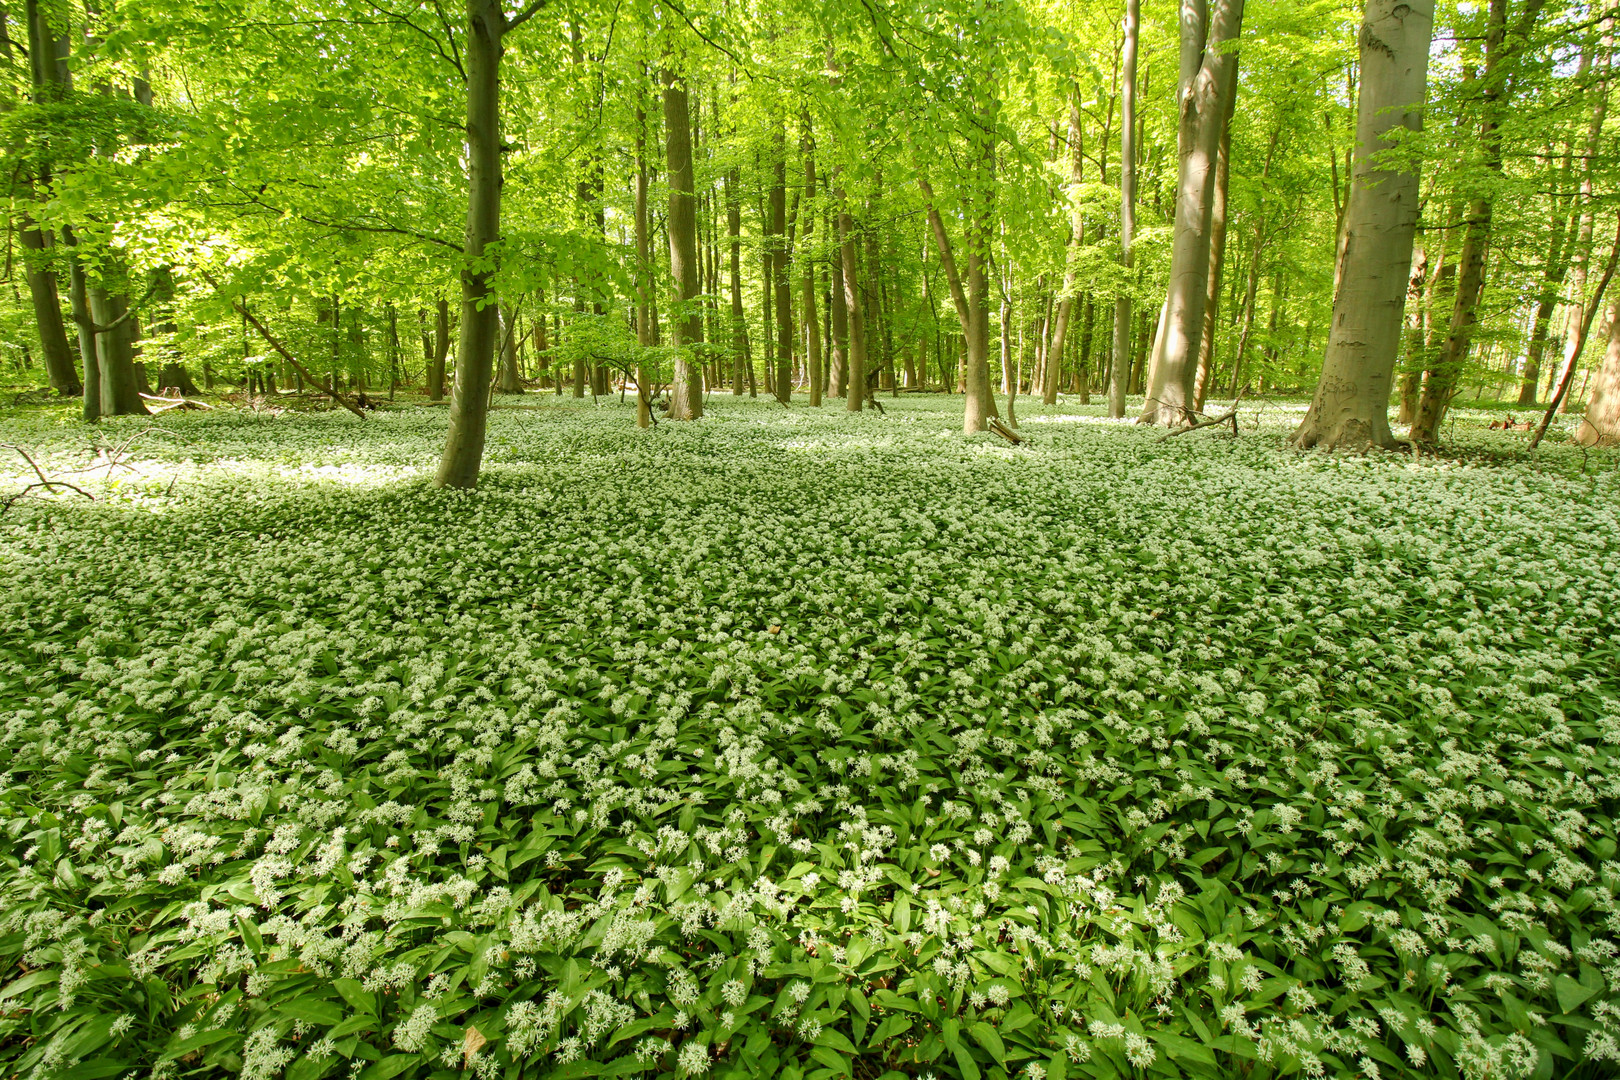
(441, 351)
(1205, 64)
(511, 381)
(644, 279)
(739, 316)
(475, 347)
(839, 373)
(1601, 424)
(1350, 409)
(43, 290)
(1580, 256)
(855, 374)
(1119, 368)
(972, 295)
(115, 352)
(812, 329)
(686, 322)
(777, 243)
(79, 304)
(1052, 360)
(1217, 245)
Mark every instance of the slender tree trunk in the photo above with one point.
(644, 278)
(686, 322)
(1443, 376)
(838, 376)
(1351, 406)
(739, 317)
(1053, 352)
(776, 239)
(812, 325)
(475, 351)
(79, 305)
(1119, 368)
(855, 386)
(1553, 271)
(1601, 425)
(441, 351)
(1205, 73)
(1584, 310)
(1217, 247)
(511, 378)
(49, 85)
(42, 290)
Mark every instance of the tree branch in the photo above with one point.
(282, 349)
(525, 15)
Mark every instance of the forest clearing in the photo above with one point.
(814, 540)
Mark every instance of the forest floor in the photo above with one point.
(804, 744)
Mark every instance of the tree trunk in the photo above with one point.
(511, 379)
(49, 85)
(644, 279)
(42, 290)
(1217, 248)
(855, 385)
(739, 317)
(441, 351)
(120, 387)
(1351, 407)
(475, 349)
(1601, 425)
(1443, 376)
(1053, 352)
(1206, 64)
(776, 241)
(79, 304)
(1119, 368)
(812, 324)
(686, 322)
(838, 376)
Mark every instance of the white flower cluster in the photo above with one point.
(671, 733)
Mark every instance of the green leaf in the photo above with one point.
(1180, 1048)
(986, 1036)
(1571, 994)
(197, 1042)
(390, 1066)
(314, 1010)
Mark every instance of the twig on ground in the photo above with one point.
(44, 481)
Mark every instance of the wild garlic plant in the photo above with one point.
(756, 746)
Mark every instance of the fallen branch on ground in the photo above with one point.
(285, 355)
(995, 425)
(181, 402)
(43, 482)
(1216, 421)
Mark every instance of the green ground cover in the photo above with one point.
(792, 744)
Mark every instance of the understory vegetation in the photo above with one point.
(792, 744)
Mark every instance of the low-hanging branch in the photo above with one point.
(270, 339)
(1575, 347)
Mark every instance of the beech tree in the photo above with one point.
(1350, 409)
(1208, 60)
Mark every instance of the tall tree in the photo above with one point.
(1119, 369)
(686, 323)
(812, 330)
(1350, 409)
(46, 50)
(1207, 52)
(1501, 50)
(486, 28)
